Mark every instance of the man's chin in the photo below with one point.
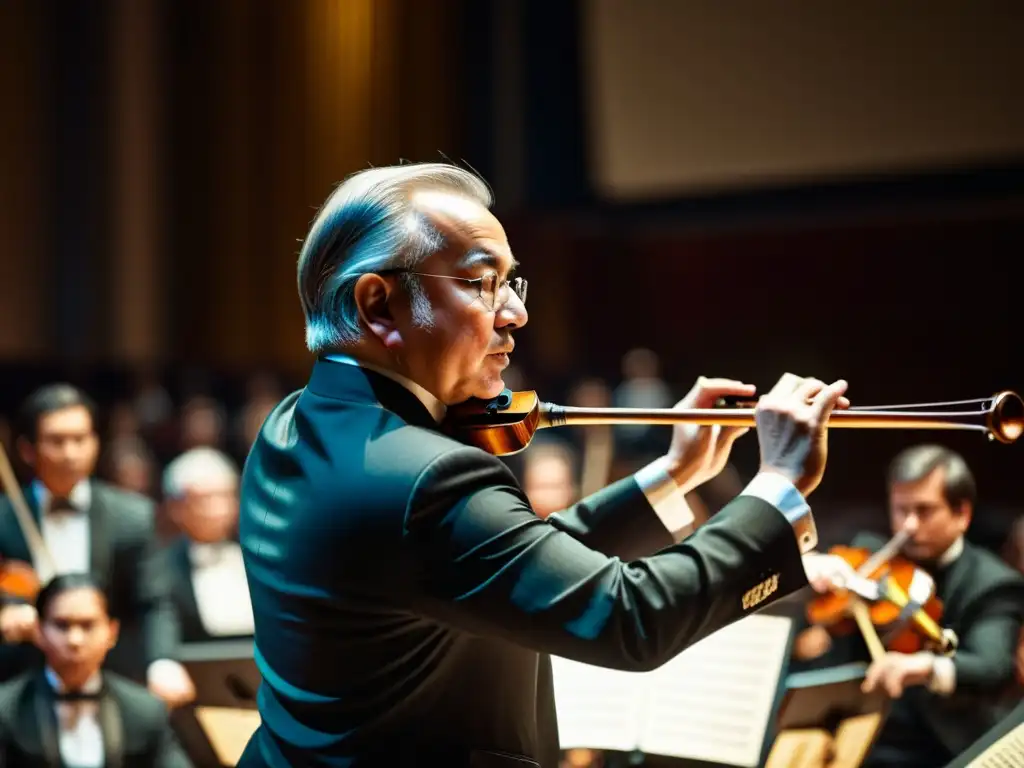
(490, 388)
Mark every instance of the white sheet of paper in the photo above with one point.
(712, 702)
(596, 708)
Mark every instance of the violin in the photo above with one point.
(18, 579)
(896, 596)
(506, 424)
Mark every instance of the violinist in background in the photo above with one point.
(79, 524)
(940, 705)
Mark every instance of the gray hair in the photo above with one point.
(197, 468)
(915, 464)
(367, 224)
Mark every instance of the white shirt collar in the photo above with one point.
(955, 550)
(80, 496)
(92, 685)
(430, 402)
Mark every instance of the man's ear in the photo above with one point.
(27, 451)
(964, 516)
(115, 633)
(372, 295)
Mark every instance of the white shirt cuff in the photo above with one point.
(666, 498)
(943, 680)
(165, 666)
(784, 496)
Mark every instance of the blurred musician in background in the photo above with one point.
(550, 476)
(71, 712)
(80, 524)
(205, 561)
(941, 705)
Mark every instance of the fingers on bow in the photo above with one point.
(817, 398)
(706, 391)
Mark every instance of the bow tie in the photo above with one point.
(59, 504)
(77, 696)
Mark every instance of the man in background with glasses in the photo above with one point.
(406, 597)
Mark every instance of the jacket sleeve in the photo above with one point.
(490, 565)
(985, 659)
(618, 521)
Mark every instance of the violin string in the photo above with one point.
(911, 406)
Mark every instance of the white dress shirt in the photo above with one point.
(79, 735)
(66, 532)
(943, 680)
(220, 588)
(665, 496)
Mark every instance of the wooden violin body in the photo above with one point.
(501, 426)
(906, 612)
(19, 579)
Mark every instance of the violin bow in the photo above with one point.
(27, 523)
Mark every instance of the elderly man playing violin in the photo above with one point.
(406, 597)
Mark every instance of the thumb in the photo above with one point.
(730, 435)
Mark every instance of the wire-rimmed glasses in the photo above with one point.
(493, 294)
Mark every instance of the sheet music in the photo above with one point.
(596, 708)
(712, 702)
(1008, 752)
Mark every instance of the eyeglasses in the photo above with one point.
(493, 295)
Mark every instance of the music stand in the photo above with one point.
(713, 706)
(825, 711)
(1002, 745)
(214, 729)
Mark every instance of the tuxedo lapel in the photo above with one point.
(112, 727)
(46, 722)
(184, 592)
(15, 546)
(100, 544)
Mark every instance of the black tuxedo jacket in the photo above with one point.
(136, 731)
(126, 559)
(406, 597)
(179, 571)
(983, 602)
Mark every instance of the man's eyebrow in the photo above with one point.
(480, 256)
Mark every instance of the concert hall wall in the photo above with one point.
(170, 154)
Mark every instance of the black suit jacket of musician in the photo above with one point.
(134, 723)
(983, 602)
(406, 597)
(125, 557)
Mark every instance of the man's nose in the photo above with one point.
(910, 524)
(513, 314)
